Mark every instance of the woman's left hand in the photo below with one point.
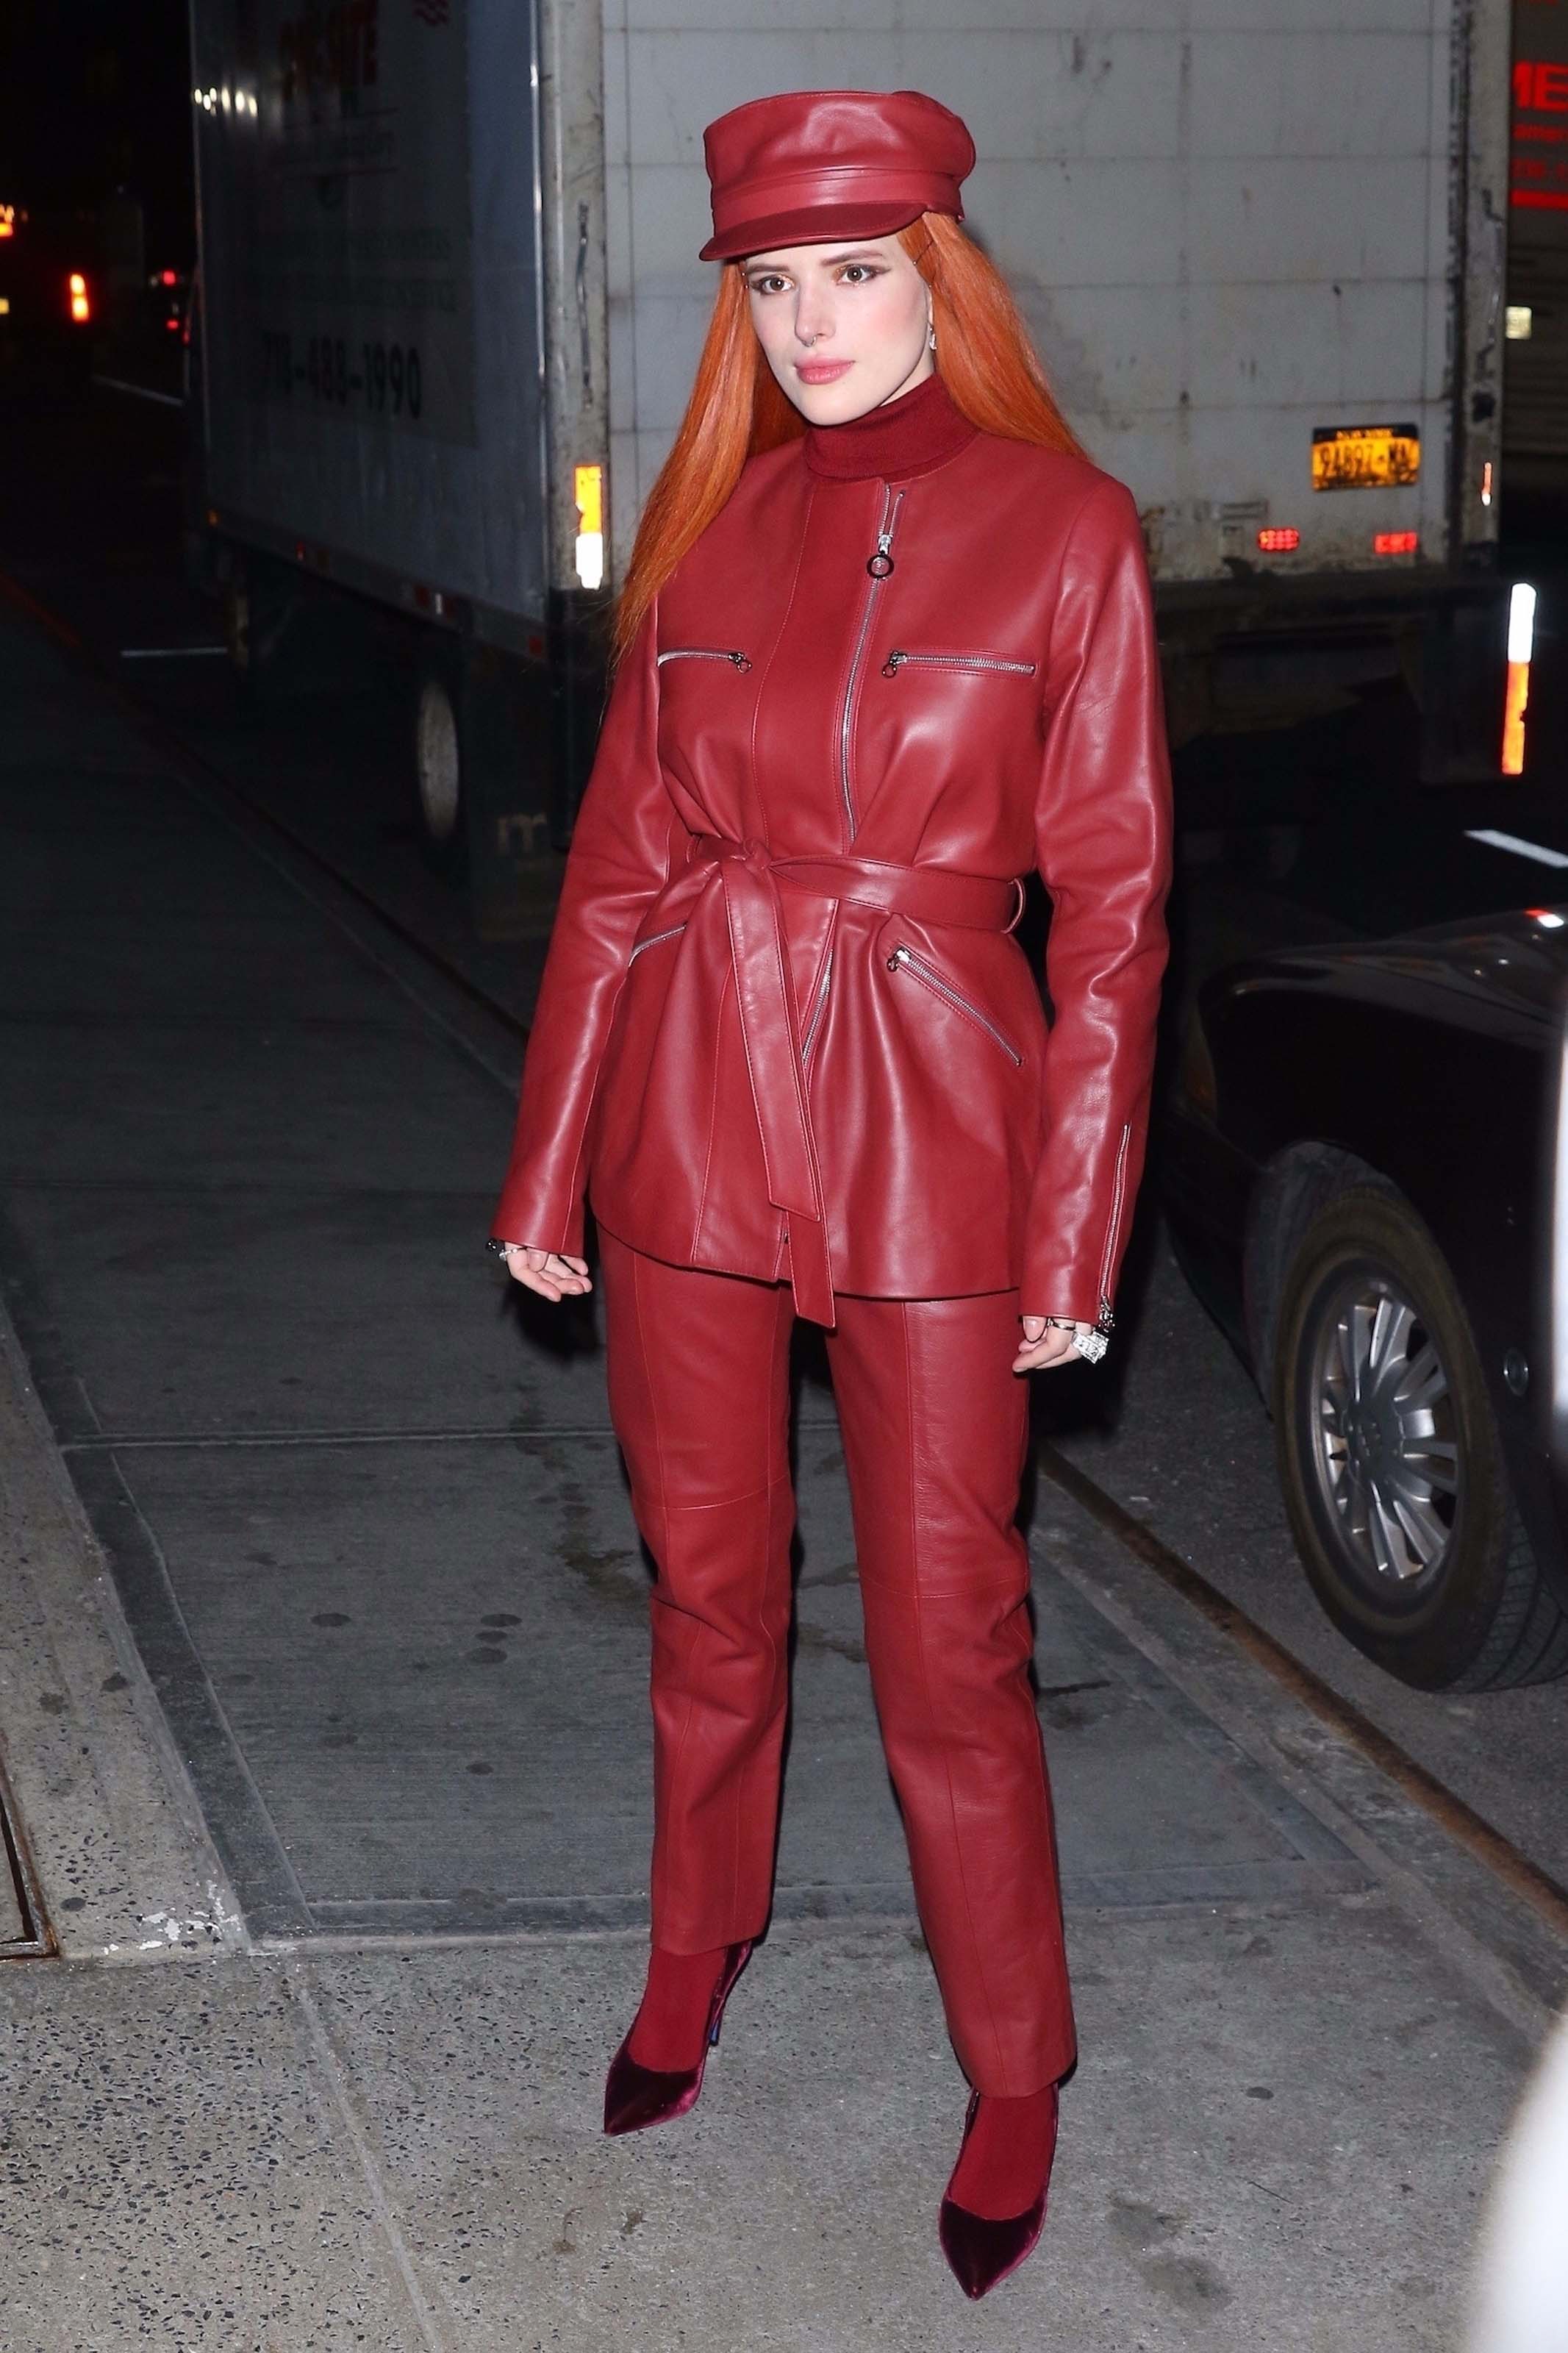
(1045, 1345)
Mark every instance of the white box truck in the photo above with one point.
(450, 307)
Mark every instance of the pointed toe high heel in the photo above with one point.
(981, 2252)
(638, 2096)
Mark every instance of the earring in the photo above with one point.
(931, 336)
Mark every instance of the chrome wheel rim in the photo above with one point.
(437, 761)
(1383, 1436)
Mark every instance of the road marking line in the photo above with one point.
(1520, 848)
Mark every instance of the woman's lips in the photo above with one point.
(821, 371)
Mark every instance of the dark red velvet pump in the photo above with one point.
(980, 2252)
(638, 2096)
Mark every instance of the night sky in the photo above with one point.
(95, 94)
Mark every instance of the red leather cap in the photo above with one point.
(811, 164)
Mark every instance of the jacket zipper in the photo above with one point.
(904, 959)
(892, 500)
(898, 657)
(706, 653)
(1106, 1318)
(818, 1007)
(653, 941)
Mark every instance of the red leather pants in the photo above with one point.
(934, 1426)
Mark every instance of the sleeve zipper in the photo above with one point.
(1114, 1226)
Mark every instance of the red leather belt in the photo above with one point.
(751, 878)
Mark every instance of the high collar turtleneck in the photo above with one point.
(906, 435)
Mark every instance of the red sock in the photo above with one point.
(1007, 2160)
(672, 2018)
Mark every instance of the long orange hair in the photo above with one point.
(738, 408)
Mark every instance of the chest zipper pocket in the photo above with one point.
(939, 659)
(654, 940)
(904, 959)
(730, 654)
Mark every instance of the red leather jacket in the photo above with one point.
(784, 1028)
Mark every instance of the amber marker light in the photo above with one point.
(81, 308)
(1278, 539)
(588, 492)
(1520, 642)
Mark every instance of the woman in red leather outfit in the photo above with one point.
(885, 646)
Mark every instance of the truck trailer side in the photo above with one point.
(451, 309)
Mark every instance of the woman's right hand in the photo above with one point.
(550, 1272)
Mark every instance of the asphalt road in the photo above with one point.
(1306, 833)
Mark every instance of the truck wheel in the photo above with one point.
(440, 809)
(1390, 1461)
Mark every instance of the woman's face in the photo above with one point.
(843, 325)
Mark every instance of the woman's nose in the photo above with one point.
(812, 319)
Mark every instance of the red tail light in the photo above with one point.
(1278, 539)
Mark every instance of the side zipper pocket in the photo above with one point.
(653, 941)
(818, 1007)
(1114, 1226)
(904, 959)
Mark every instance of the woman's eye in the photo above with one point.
(864, 268)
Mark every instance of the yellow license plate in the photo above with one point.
(1365, 456)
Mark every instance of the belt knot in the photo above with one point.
(749, 879)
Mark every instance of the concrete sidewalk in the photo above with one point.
(1278, 2134)
(324, 1700)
